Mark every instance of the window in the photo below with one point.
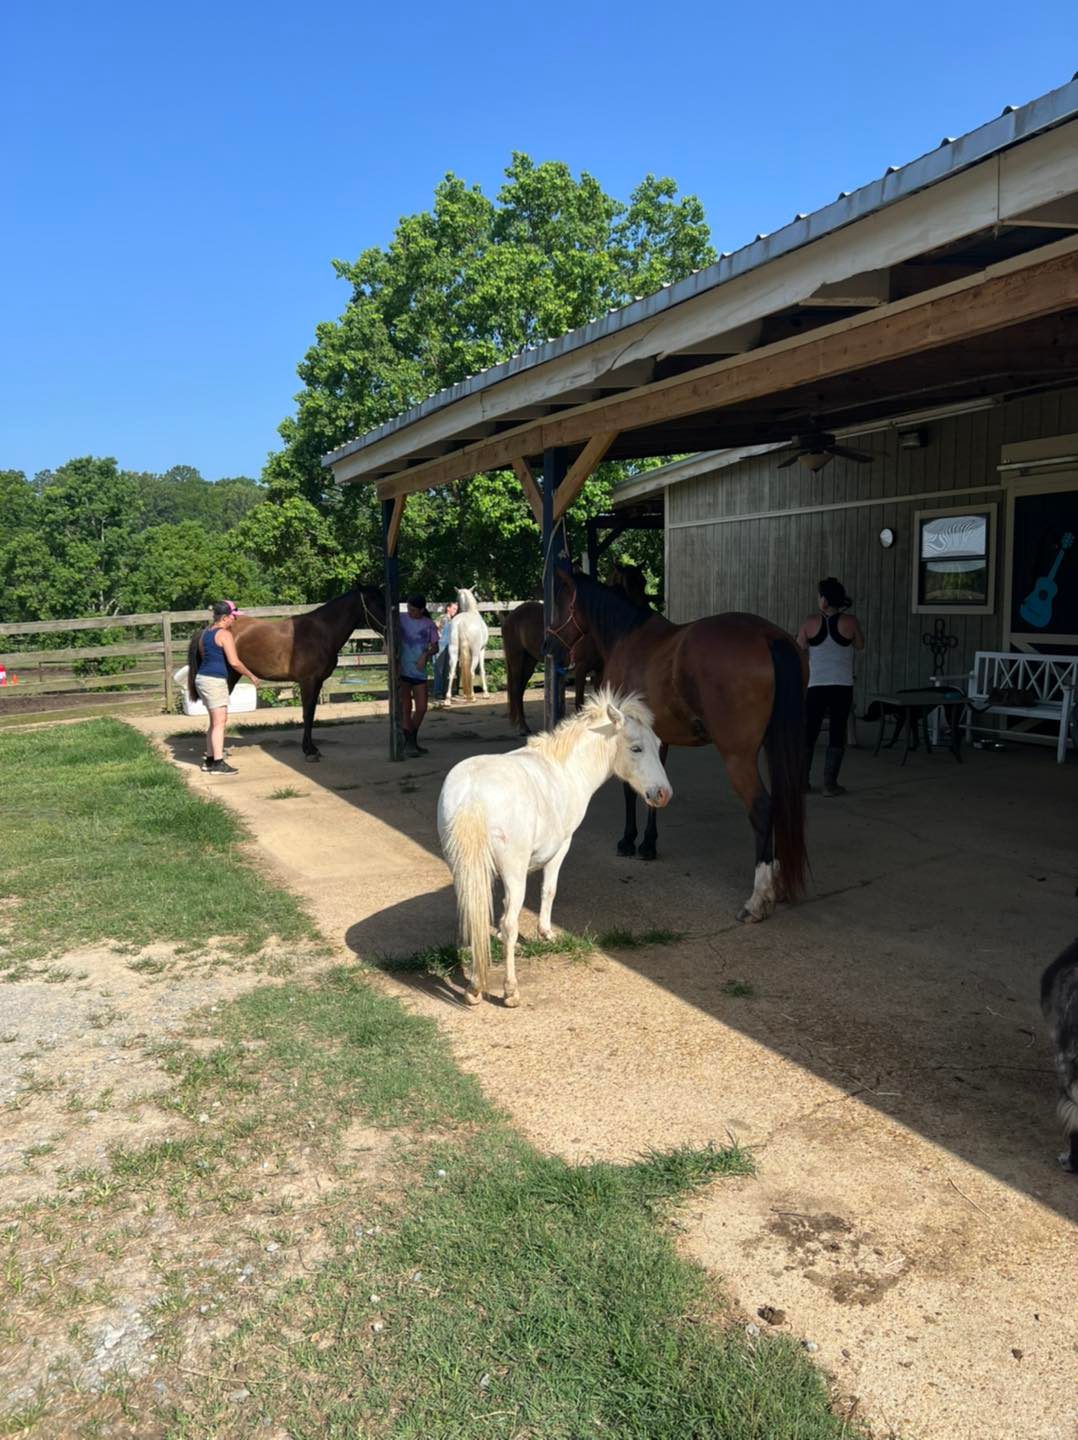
(953, 560)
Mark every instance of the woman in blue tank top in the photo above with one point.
(830, 639)
(216, 653)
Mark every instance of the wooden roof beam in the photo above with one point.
(1014, 291)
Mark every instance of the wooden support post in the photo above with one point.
(582, 467)
(555, 465)
(166, 637)
(528, 484)
(393, 616)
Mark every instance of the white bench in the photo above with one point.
(1050, 681)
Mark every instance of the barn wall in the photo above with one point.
(772, 565)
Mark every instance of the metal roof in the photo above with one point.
(1013, 126)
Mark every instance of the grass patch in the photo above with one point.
(623, 939)
(442, 960)
(503, 1293)
(739, 989)
(103, 840)
(285, 792)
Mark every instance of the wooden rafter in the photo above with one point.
(1003, 295)
(531, 489)
(580, 469)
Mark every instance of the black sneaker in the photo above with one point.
(222, 767)
(207, 763)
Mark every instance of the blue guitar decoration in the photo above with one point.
(1037, 606)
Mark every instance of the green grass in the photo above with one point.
(102, 840)
(285, 792)
(442, 960)
(516, 1295)
(739, 989)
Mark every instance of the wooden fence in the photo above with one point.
(81, 678)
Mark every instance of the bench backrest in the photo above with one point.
(1047, 676)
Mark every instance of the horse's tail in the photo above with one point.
(467, 848)
(193, 658)
(786, 760)
(464, 663)
(514, 669)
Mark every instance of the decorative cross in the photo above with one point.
(939, 643)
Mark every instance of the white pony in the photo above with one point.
(468, 637)
(510, 814)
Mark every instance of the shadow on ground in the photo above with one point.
(908, 976)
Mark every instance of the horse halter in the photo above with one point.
(556, 630)
(367, 614)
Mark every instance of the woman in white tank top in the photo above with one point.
(830, 639)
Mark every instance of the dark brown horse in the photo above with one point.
(303, 648)
(734, 681)
(522, 642)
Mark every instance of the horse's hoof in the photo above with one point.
(472, 997)
(746, 917)
(648, 852)
(626, 848)
(312, 755)
(512, 1001)
(545, 934)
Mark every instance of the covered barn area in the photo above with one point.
(879, 1046)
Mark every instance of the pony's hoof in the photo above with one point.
(746, 917)
(1065, 1163)
(648, 852)
(512, 1001)
(312, 755)
(626, 848)
(472, 997)
(545, 934)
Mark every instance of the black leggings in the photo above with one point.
(832, 702)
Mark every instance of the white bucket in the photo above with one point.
(244, 696)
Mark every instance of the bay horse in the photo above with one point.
(303, 648)
(522, 641)
(735, 681)
(505, 815)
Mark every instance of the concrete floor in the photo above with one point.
(889, 1069)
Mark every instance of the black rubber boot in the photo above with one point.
(832, 764)
(411, 749)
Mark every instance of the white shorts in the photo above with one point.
(212, 691)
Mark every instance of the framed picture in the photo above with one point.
(954, 560)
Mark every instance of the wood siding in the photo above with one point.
(772, 565)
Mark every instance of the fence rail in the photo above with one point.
(68, 672)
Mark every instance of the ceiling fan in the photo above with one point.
(818, 449)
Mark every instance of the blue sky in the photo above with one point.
(176, 179)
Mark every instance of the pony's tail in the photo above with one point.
(464, 664)
(468, 851)
(192, 663)
(786, 759)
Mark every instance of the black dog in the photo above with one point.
(1059, 1001)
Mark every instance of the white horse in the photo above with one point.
(468, 637)
(510, 814)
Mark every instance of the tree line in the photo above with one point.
(467, 283)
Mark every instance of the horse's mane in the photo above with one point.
(609, 613)
(559, 743)
(466, 600)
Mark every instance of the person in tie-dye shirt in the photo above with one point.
(419, 642)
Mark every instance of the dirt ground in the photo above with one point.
(881, 1051)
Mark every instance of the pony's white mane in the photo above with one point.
(560, 742)
(466, 600)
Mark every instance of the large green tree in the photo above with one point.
(460, 287)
